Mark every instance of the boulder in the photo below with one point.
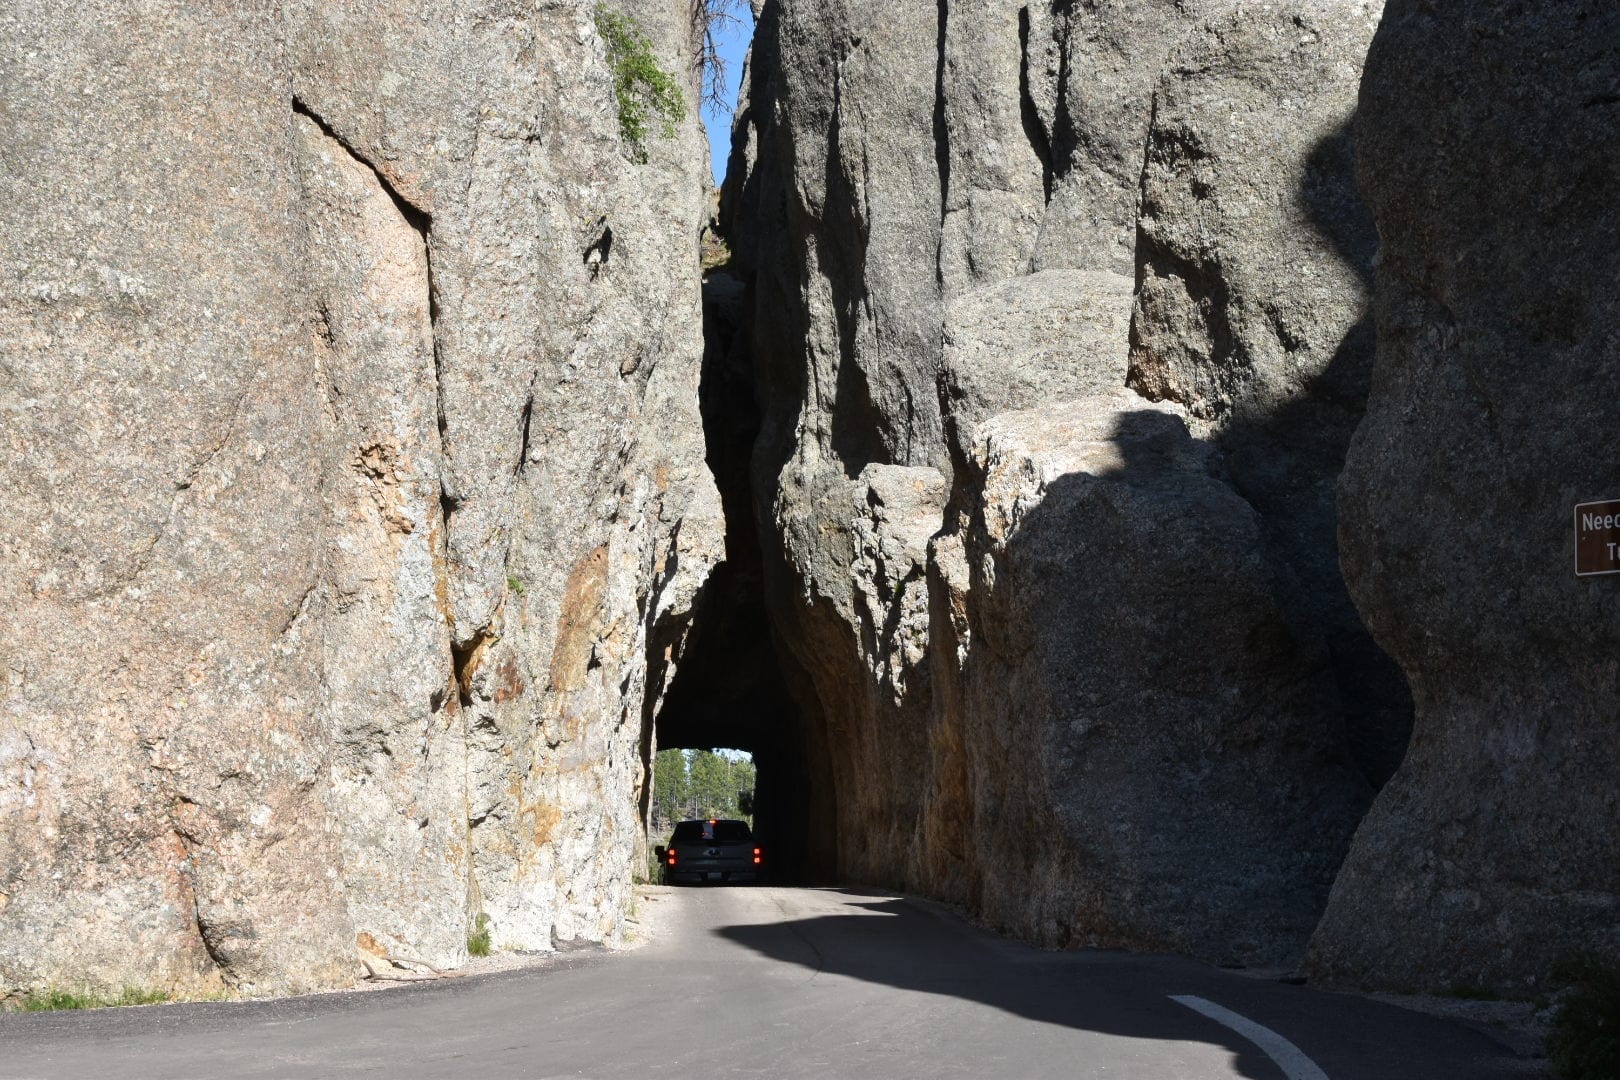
(1153, 757)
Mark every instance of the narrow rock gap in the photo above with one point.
(942, 132)
(1034, 130)
(731, 688)
(523, 444)
(465, 658)
(208, 935)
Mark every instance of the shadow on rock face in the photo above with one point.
(1178, 776)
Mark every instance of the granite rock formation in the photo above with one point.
(1166, 793)
(1254, 255)
(357, 494)
(1082, 474)
(1068, 668)
(1487, 135)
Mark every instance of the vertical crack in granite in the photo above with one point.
(394, 693)
(942, 132)
(420, 220)
(415, 216)
(1040, 140)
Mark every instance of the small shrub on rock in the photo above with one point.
(478, 940)
(642, 88)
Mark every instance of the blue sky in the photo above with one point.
(733, 47)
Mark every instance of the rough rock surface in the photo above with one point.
(1090, 73)
(1487, 137)
(1254, 256)
(1057, 334)
(357, 494)
(1136, 710)
(935, 318)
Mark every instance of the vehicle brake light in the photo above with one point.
(672, 856)
(756, 856)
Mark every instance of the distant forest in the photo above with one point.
(697, 784)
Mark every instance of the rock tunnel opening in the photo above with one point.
(732, 687)
(917, 660)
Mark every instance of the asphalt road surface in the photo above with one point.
(783, 983)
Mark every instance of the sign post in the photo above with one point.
(1597, 538)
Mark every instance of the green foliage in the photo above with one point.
(515, 585)
(1585, 1039)
(698, 784)
(669, 787)
(54, 1000)
(643, 89)
(478, 940)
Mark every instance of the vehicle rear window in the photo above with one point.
(723, 832)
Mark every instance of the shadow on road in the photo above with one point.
(901, 944)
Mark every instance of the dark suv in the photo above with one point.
(713, 850)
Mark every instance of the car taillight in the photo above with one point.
(672, 856)
(756, 856)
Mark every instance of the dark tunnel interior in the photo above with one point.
(730, 688)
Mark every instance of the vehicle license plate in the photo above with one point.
(713, 875)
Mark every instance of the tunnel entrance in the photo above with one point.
(731, 688)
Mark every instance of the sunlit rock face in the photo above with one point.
(357, 497)
(1487, 137)
(1067, 626)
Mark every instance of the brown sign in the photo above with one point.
(1597, 538)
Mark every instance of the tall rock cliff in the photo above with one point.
(1097, 470)
(1488, 135)
(349, 366)
(1048, 446)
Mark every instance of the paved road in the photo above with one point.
(783, 983)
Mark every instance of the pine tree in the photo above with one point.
(670, 788)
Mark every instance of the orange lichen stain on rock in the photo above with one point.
(368, 944)
(546, 817)
(661, 477)
(579, 621)
(380, 465)
(508, 682)
(441, 567)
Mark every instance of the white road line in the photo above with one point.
(1295, 1065)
